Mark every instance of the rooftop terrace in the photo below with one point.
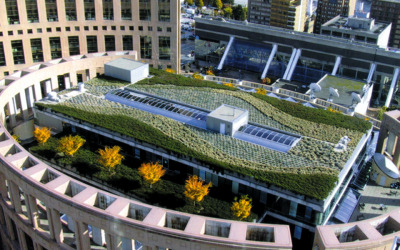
(313, 156)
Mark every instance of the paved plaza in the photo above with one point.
(373, 196)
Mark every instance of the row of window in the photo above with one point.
(86, 28)
(164, 10)
(146, 47)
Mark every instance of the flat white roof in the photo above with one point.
(125, 63)
(227, 113)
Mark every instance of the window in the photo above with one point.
(18, 52)
(73, 44)
(144, 10)
(95, 28)
(32, 13)
(77, 28)
(159, 29)
(12, 12)
(48, 29)
(104, 27)
(126, 13)
(113, 27)
(131, 28)
(140, 28)
(70, 10)
(164, 47)
(39, 30)
(169, 29)
(150, 28)
(51, 10)
(55, 47)
(67, 28)
(90, 11)
(20, 32)
(110, 43)
(58, 29)
(91, 44)
(30, 31)
(127, 43)
(37, 50)
(108, 10)
(86, 28)
(2, 55)
(122, 28)
(164, 10)
(145, 47)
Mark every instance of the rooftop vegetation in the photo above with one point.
(310, 168)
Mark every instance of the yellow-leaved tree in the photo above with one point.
(110, 157)
(241, 208)
(261, 91)
(151, 172)
(195, 189)
(70, 144)
(42, 134)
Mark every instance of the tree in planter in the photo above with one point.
(42, 134)
(110, 157)
(195, 189)
(261, 91)
(70, 144)
(241, 208)
(151, 172)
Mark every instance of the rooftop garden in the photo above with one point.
(310, 168)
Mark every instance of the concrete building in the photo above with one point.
(327, 9)
(358, 29)
(297, 57)
(42, 208)
(388, 11)
(288, 14)
(39, 31)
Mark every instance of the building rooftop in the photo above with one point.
(344, 86)
(313, 153)
(125, 63)
(364, 25)
(227, 113)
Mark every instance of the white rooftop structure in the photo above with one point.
(126, 69)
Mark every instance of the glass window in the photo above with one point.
(51, 10)
(90, 11)
(70, 10)
(18, 52)
(37, 50)
(91, 44)
(73, 44)
(2, 56)
(110, 43)
(12, 12)
(55, 47)
(145, 47)
(32, 11)
(144, 10)
(164, 10)
(126, 10)
(164, 47)
(108, 10)
(127, 43)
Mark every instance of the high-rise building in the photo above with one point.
(388, 11)
(328, 9)
(289, 14)
(38, 31)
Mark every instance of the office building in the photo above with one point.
(327, 9)
(388, 11)
(39, 31)
(288, 14)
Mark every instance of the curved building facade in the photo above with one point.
(34, 31)
(42, 208)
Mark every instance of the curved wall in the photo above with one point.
(43, 208)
